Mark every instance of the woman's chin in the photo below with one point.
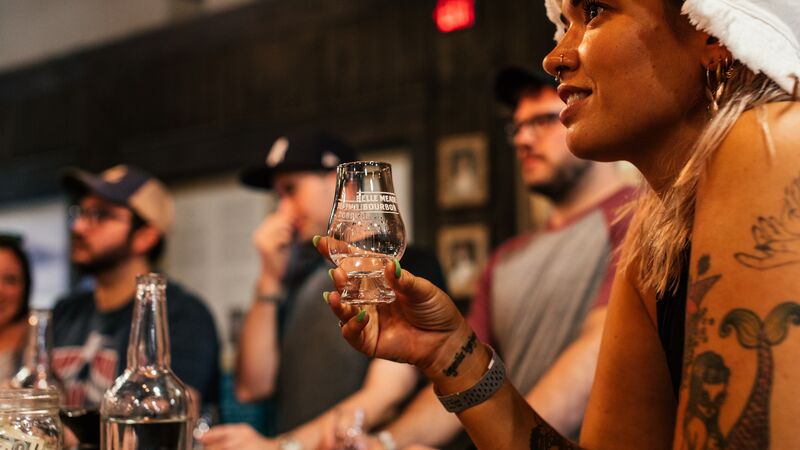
(589, 147)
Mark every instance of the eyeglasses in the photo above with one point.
(534, 124)
(94, 216)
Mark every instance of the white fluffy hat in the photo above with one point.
(763, 34)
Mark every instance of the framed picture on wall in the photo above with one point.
(463, 251)
(463, 170)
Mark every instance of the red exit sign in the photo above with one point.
(452, 15)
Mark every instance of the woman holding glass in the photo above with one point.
(700, 345)
(15, 284)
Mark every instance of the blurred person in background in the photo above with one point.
(119, 224)
(542, 299)
(15, 290)
(289, 350)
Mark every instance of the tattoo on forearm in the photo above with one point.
(696, 313)
(708, 387)
(469, 347)
(544, 437)
(777, 239)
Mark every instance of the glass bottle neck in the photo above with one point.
(40, 342)
(149, 340)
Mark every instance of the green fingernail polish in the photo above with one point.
(315, 240)
(325, 296)
(361, 315)
(397, 269)
(330, 274)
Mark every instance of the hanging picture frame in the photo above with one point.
(463, 171)
(463, 251)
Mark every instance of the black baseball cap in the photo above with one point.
(125, 185)
(510, 81)
(309, 150)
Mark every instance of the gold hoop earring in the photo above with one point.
(716, 81)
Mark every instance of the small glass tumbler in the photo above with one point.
(29, 419)
(349, 431)
(365, 230)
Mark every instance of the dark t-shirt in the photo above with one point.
(90, 347)
(318, 368)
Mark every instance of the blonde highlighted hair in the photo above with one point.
(661, 229)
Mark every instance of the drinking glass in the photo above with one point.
(365, 230)
(349, 432)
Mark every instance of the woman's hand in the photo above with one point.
(421, 327)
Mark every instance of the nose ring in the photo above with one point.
(558, 70)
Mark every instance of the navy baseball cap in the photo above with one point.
(125, 185)
(300, 151)
(510, 81)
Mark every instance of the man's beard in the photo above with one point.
(563, 181)
(103, 262)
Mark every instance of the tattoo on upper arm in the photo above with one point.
(777, 239)
(707, 375)
(696, 314)
(469, 347)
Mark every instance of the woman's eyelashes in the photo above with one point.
(592, 9)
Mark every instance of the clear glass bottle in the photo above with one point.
(147, 407)
(36, 371)
(29, 419)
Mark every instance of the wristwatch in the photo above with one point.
(480, 391)
(271, 298)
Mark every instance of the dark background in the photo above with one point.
(209, 95)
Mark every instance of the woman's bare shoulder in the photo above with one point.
(778, 122)
(763, 142)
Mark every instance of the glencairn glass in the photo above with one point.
(365, 230)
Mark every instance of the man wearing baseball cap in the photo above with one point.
(290, 350)
(118, 225)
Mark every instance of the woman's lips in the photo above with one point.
(573, 97)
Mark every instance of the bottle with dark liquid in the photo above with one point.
(36, 371)
(147, 407)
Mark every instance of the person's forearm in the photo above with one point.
(257, 355)
(504, 420)
(561, 395)
(424, 422)
(385, 386)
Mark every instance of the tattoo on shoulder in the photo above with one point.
(708, 386)
(543, 437)
(468, 347)
(777, 239)
(696, 313)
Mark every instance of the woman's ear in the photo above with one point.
(713, 52)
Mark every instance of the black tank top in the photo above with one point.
(671, 312)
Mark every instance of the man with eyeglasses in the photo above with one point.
(541, 302)
(118, 227)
